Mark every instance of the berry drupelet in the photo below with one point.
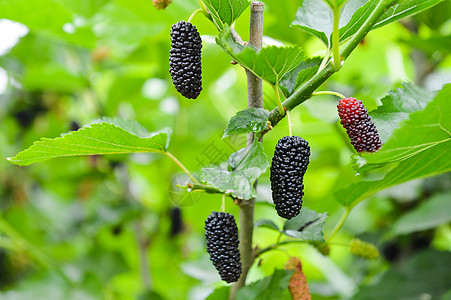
(185, 59)
(361, 130)
(288, 167)
(221, 234)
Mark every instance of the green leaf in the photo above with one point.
(106, 136)
(268, 288)
(247, 164)
(270, 63)
(267, 224)
(430, 214)
(404, 8)
(296, 77)
(247, 120)
(427, 273)
(427, 154)
(219, 293)
(316, 18)
(225, 11)
(308, 225)
(358, 18)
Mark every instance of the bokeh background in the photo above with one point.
(116, 227)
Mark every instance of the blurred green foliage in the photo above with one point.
(102, 227)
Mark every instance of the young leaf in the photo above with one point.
(308, 225)
(270, 63)
(225, 11)
(427, 154)
(428, 215)
(271, 287)
(247, 120)
(247, 164)
(107, 136)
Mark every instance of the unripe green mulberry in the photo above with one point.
(363, 249)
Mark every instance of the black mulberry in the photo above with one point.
(361, 130)
(185, 59)
(288, 167)
(221, 233)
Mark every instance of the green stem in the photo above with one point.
(339, 225)
(223, 203)
(325, 60)
(304, 92)
(194, 14)
(184, 169)
(205, 10)
(290, 130)
(277, 245)
(279, 102)
(328, 93)
(336, 39)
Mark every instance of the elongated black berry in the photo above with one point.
(221, 233)
(361, 130)
(288, 167)
(185, 59)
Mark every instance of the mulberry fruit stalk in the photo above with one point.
(185, 59)
(221, 234)
(288, 167)
(361, 130)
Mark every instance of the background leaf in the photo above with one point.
(247, 120)
(271, 287)
(248, 164)
(225, 11)
(104, 137)
(296, 77)
(270, 63)
(427, 215)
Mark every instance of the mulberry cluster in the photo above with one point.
(361, 130)
(221, 234)
(288, 167)
(185, 59)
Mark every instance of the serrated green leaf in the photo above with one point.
(427, 273)
(268, 288)
(248, 164)
(308, 225)
(267, 224)
(430, 214)
(247, 120)
(106, 136)
(225, 11)
(358, 18)
(422, 144)
(296, 77)
(270, 63)
(404, 8)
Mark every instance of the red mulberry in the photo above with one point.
(361, 130)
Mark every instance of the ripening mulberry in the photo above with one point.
(288, 167)
(363, 249)
(221, 234)
(185, 59)
(298, 286)
(361, 130)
